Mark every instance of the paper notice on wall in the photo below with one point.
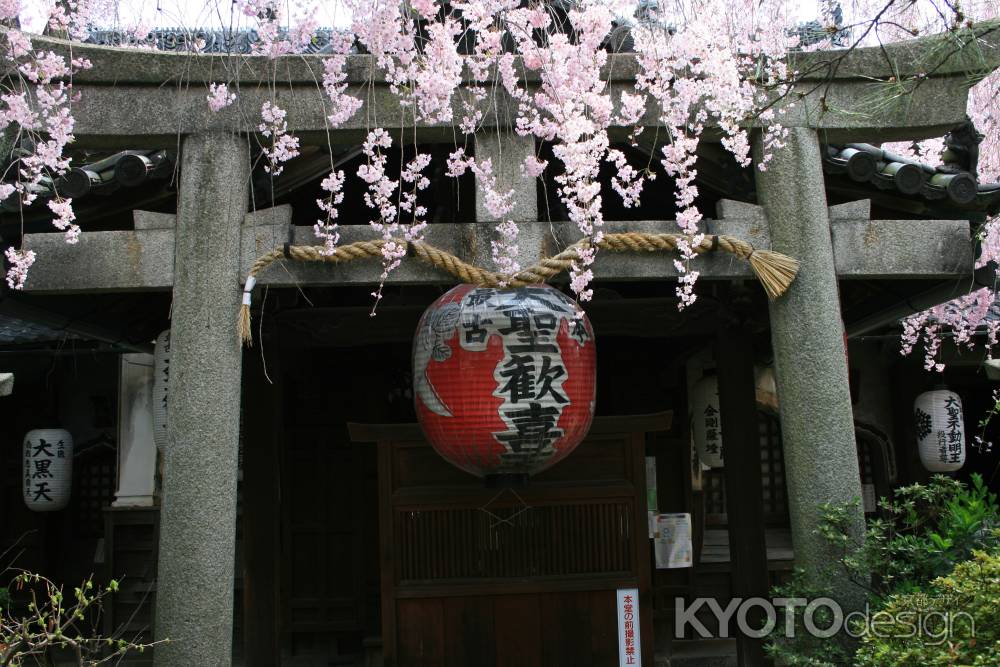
(672, 543)
(652, 503)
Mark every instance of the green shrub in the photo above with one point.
(955, 622)
(926, 531)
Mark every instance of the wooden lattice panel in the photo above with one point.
(517, 541)
(94, 479)
(772, 467)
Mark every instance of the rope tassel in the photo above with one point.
(774, 270)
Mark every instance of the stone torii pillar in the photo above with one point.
(194, 599)
(817, 422)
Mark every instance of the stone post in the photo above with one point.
(807, 334)
(194, 599)
(507, 151)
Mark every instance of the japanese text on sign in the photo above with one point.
(629, 646)
(38, 475)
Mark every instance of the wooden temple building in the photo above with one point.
(297, 516)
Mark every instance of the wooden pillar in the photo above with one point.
(744, 510)
(262, 427)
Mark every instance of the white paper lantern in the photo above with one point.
(706, 422)
(48, 469)
(940, 430)
(161, 382)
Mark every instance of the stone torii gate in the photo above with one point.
(135, 99)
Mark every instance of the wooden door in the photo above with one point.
(329, 520)
(522, 577)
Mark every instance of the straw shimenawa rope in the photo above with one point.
(774, 270)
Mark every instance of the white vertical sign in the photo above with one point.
(136, 438)
(629, 647)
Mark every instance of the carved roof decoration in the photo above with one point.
(202, 40)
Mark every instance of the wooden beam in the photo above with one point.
(744, 510)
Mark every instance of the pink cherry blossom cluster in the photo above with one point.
(417, 181)
(709, 70)
(417, 51)
(438, 72)
(74, 17)
(342, 105)
(327, 229)
(498, 204)
(283, 146)
(968, 319)
(269, 15)
(219, 97)
(571, 107)
(37, 111)
(64, 217)
(721, 63)
(382, 28)
(627, 181)
(380, 198)
(922, 325)
(20, 261)
(532, 167)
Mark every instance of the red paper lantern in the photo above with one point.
(504, 378)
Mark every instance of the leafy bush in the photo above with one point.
(956, 622)
(930, 528)
(927, 530)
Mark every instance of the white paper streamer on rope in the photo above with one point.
(47, 469)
